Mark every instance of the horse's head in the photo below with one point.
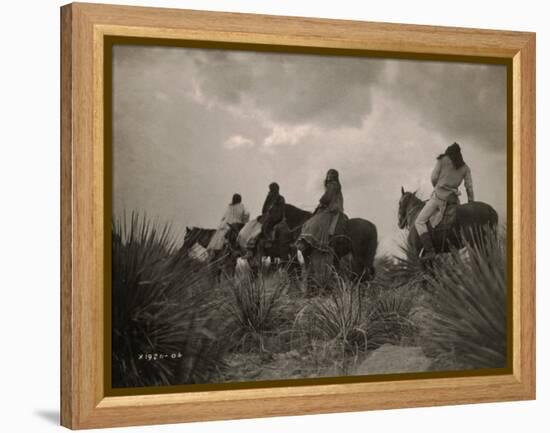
(195, 235)
(407, 198)
(295, 216)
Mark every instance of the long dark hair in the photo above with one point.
(336, 177)
(455, 155)
(236, 199)
(274, 188)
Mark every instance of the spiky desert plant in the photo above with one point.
(157, 312)
(387, 318)
(256, 307)
(470, 303)
(339, 317)
(391, 297)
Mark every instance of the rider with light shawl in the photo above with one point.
(449, 172)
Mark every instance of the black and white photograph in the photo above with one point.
(290, 215)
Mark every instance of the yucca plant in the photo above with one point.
(339, 316)
(161, 325)
(470, 303)
(391, 296)
(256, 308)
(387, 319)
(329, 330)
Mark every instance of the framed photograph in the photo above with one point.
(265, 215)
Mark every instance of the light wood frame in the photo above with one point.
(83, 400)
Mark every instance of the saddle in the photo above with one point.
(338, 226)
(247, 236)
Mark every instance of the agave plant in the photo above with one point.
(470, 303)
(161, 324)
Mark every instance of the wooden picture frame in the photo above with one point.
(84, 27)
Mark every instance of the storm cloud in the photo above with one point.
(460, 100)
(290, 88)
(193, 126)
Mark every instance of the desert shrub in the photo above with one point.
(470, 305)
(158, 309)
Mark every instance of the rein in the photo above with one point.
(412, 213)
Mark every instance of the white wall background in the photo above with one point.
(29, 243)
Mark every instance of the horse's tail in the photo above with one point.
(364, 241)
(372, 243)
(475, 221)
(493, 219)
(488, 216)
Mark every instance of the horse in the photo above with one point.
(471, 219)
(195, 235)
(223, 260)
(283, 247)
(359, 239)
(280, 248)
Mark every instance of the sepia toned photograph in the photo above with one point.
(285, 215)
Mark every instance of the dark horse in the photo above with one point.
(471, 218)
(359, 238)
(282, 247)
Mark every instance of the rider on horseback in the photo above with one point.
(447, 175)
(273, 211)
(235, 214)
(321, 226)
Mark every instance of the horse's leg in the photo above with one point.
(214, 270)
(336, 262)
(357, 267)
(370, 254)
(307, 278)
(413, 245)
(293, 270)
(231, 264)
(253, 262)
(321, 270)
(222, 265)
(341, 252)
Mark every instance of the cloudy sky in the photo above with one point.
(193, 126)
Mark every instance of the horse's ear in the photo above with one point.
(187, 229)
(414, 193)
(402, 191)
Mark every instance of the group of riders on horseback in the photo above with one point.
(273, 227)
(328, 229)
